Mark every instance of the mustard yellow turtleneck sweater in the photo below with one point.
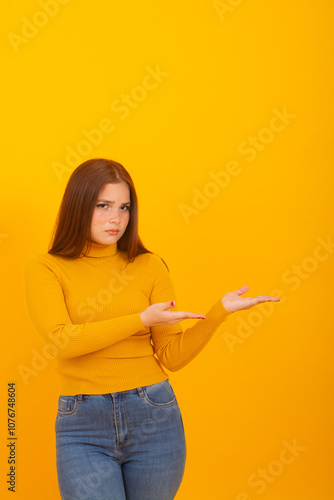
(88, 311)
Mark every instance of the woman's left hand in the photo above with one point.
(233, 302)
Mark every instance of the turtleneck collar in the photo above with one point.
(97, 250)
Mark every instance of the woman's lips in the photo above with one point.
(112, 231)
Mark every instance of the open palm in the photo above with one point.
(232, 301)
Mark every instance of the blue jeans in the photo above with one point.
(127, 445)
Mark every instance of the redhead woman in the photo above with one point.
(105, 304)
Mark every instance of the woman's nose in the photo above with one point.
(115, 216)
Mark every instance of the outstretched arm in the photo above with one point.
(159, 313)
(174, 347)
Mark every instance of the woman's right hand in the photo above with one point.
(158, 314)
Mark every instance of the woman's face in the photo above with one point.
(111, 213)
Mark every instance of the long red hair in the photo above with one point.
(71, 235)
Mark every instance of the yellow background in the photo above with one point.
(225, 69)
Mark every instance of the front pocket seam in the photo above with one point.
(68, 412)
(159, 404)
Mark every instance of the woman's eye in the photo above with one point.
(125, 208)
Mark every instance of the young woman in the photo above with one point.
(104, 304)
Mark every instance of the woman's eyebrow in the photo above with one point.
(108, 201)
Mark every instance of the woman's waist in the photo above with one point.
(106, 375)
(135, 346)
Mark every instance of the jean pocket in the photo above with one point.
(67, 405)
(160, 394)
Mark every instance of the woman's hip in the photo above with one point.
(122, 422)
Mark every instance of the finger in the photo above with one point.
(242, 290)
(167, 305)
(268, 298)
(265, 298)
(186, 315)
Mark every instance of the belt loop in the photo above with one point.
(140, 391)
(80, 398)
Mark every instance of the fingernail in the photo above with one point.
(173, 303)
(200, 317)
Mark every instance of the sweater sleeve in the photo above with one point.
(174, 347)
(47, 310)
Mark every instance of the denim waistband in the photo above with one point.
(138, 390)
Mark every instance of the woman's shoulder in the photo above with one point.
(42, 261)
(44, 257)
(152, 259)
